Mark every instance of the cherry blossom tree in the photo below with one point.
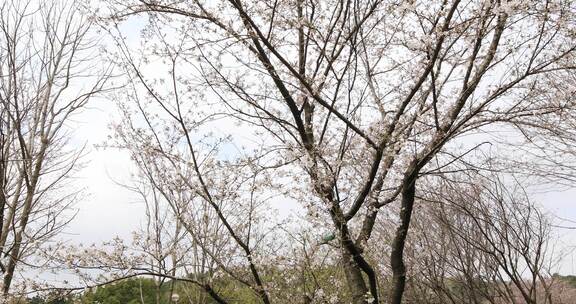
(346, 109)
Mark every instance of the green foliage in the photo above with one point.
(569, 279)
(130, 291)
(51, 298)
(149, 291)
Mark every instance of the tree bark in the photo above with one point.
(397, 254)
(356, 283)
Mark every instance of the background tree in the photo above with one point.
(45, 77)
(484, 242)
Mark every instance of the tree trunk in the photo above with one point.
(356, 284)
(397, 254)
